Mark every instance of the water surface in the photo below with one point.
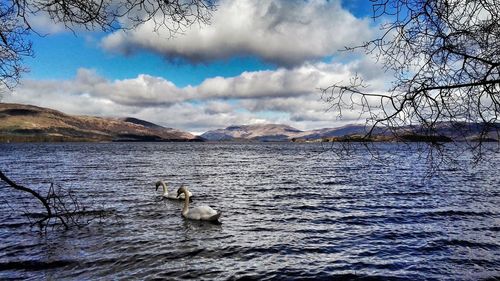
(290, 211)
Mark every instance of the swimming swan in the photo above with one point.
(169, 195)
(204, 213)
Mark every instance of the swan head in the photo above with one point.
(184, 190)
(160, 183)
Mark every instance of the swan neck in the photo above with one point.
(186, 204)
(165, 190)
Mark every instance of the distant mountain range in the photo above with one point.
(25, 123)
(279, 132)
(445, 131)
(264, 132)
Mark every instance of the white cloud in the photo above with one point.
(274, 96)
(196, 118)
(218, 107)
(43, 24)
(284, 32)
(272, 83)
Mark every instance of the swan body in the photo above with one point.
(204, 213)
(169, 195)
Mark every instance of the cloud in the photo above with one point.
(272, 83)
(273, 96)
(283, 32)
(218, 107)
(300, 109)
(43, 24)
(146, 90)
(197, 118)
(142, 91)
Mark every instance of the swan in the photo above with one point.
(169, 195)
(204, 213)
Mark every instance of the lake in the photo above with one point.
(289, 211)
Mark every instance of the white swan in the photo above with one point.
(169, 195)
(204, 213)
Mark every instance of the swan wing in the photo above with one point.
(203, 213)
(171, 196)
(182, 196)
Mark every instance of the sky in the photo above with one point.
(258, 61)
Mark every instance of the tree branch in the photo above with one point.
(28, 190)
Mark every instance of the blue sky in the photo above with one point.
(259, 61)
(58, 56)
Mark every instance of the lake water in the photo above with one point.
(290, 211)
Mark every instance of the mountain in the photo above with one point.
(25, 123)
(20, 123)
(346, 130)
(445, 131)
(166, 132)
(279, 132)
(460, 131)
(261, 132)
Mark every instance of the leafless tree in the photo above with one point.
(16, 17)
(445, 58)
(60, 205)
(13, 46)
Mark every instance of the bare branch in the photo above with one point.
(446, 66)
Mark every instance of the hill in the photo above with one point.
(25, 123)
(278, 132)
(445, 131)
(261, 132)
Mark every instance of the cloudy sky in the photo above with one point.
(259, 61)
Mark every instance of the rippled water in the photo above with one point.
(290, 211)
